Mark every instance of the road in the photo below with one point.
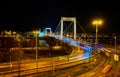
(12, 69)
(98, 71)
(116, 64)
(57, 65)
(62, 71)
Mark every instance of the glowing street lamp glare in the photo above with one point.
(35, 32)
(99, 22)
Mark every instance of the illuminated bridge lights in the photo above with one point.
(87, 55)
(98, 45)
(87, 48)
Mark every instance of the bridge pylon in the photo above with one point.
(68, 19)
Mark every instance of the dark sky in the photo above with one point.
(26, 15)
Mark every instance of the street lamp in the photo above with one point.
(97, 22)
(36, 35)
(79, 40)
(115, 43)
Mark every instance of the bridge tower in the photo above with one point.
(68, 19)
(46, 29)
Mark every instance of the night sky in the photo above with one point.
(25, 15)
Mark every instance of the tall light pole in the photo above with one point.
(36, 38)
(97, 22)
(79, 40)
(115, 43)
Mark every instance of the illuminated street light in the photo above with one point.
(36, 34)
(115, 43)
(97, 23)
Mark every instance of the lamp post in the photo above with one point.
(79, 40)
(97, 23)
(115, 43)
(10, 61)
(36, 37)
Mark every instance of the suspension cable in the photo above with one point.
(68, 27)
(81, 27)
(58, 26)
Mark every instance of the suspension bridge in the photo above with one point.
(66, 31)
(67, 27)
